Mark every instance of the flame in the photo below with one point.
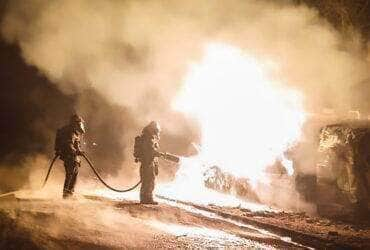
(247, 120)
(189, 186)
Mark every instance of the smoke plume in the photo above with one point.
(131, 51)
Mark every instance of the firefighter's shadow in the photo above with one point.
(138, 210)
(114, 202)
(135, 205)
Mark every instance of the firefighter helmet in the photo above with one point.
(153, 128)
(77, 122)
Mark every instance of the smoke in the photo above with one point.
(124, 61)
(112, 46)
(136, 53)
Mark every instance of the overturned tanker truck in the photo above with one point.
(343, 169)
(338, 180)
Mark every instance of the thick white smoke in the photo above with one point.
(136, 52)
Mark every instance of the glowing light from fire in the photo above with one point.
(247, 120)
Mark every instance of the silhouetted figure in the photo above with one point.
(146, 152)
(68, 147)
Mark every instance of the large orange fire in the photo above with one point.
(247, 119)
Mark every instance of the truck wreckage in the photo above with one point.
(343, 167)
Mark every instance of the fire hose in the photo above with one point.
(167, 156)
(105, 184)
(50, 167)
(95, 172)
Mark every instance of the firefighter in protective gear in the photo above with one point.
(68, 147)
(148, 157)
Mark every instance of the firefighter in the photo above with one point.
(147, 153)
(68, 148)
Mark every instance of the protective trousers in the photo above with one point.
(147, 175)
(71, 168)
